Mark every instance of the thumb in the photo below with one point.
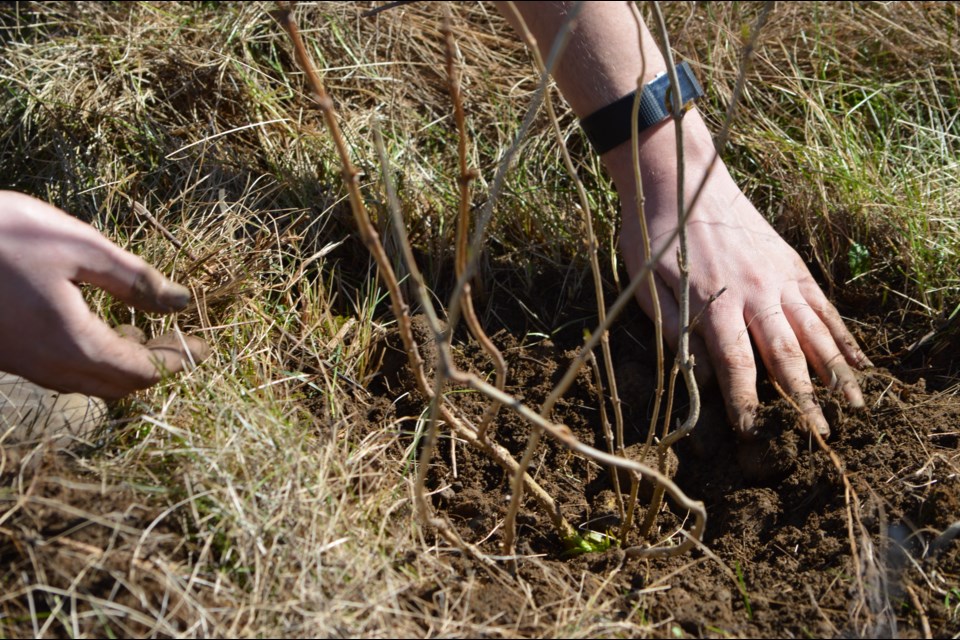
(174, 352)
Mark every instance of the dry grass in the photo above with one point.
(251, 497)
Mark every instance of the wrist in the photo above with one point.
(657, 152)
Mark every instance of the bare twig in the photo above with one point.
(921, 611)
(447, 371)
(684, 360)
(563, 434)
(467, 175)
(400, 309)
(547, 406)
(486, 211)
(372, 242)
(650, 279)
(370, 13)
(611, 440)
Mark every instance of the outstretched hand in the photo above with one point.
(769, 297)
(49, 335)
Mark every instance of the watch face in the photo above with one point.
(689, 89)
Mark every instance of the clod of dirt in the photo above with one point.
(772, 456)
(633, 452)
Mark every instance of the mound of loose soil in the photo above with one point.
(782, 527)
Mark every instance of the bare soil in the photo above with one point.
(780, 531)
(777, 558)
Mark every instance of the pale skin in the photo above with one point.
(49, 335)
(770, 301)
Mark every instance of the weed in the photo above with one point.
(858, 259)
(951, 601)
(590, 542)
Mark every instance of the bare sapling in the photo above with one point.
(442, 410)
(684, 362)
(614, 442)
(468, 175)
(444, 368)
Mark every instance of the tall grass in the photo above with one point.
(244, 498)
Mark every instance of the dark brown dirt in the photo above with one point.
(781, 528)
(778, 557)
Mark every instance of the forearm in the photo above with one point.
(608, 50)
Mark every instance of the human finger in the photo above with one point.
(87, 256)
(82, 354)
(728, 341)
(786, 362)
(123, 366)
(132, 333)
(175, 352)
(838, 329)
(820, 347)
(131, 279)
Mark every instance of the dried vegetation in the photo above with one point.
(274, 490)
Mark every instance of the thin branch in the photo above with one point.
(559, 43)
(684, 358)
(486, 211)
(563, 434)
(371, 240)
(467, 175)
(650, 279)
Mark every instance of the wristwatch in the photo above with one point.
(610, 126)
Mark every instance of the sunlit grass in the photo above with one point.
(279, 514)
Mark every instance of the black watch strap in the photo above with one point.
(610, 127)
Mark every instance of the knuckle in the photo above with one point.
(785, 349)
(737, 360)
(812, 326)
(807, 401)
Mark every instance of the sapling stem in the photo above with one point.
(503, 166)
(587, 214)
(467, 175)
(445, 367)
(650, 280)
(400, 308)
(684, 360)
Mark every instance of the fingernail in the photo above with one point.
(745, 425)
(173, 296)
(820, 424)
(151, 291)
